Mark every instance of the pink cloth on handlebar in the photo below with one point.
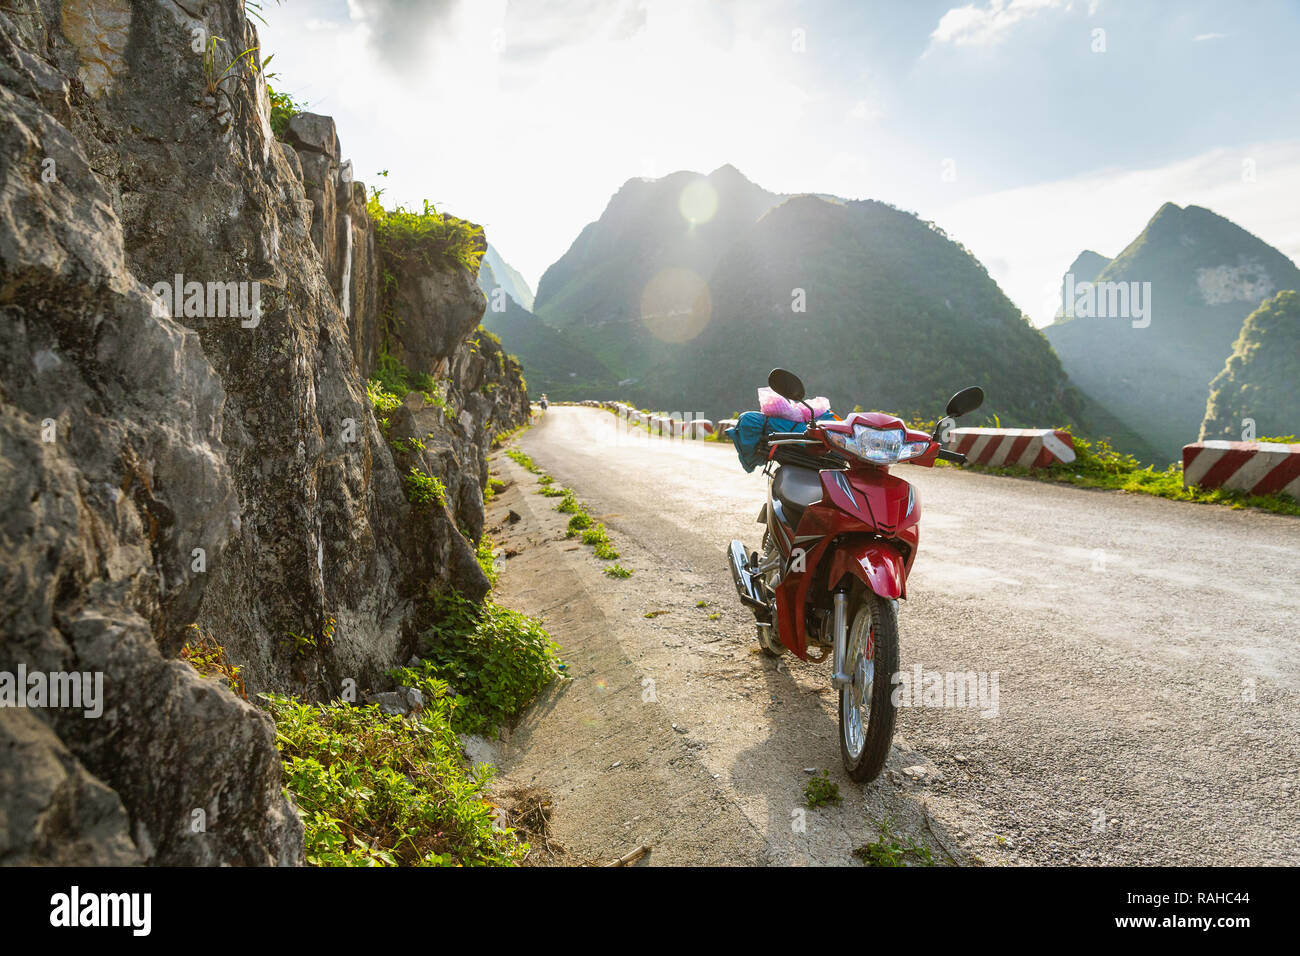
(778, 406)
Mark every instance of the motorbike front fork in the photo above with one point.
(840, 627)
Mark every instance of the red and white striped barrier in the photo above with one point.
(1026, 447)
(1258, 468)
(699, 428)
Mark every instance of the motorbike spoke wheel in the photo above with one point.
(866, 703)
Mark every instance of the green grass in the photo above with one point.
(550, 491)
(579, 522)
(409, 239)
(888, 850)
(822, 790)
(375, 791)
(1098, 465)
(500, 438)
(568, 504)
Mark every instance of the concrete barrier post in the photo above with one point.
(1257, 468)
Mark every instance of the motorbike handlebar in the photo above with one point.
(953, 456)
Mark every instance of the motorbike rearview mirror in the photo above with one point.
(786, 384)
(965, 401)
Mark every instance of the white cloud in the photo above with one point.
(1201, 38)
(1028, 237)
(976, 26)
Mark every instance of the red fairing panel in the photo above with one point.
(877, 564)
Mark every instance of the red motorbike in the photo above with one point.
(842, 533)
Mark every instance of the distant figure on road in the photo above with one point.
(543, 402)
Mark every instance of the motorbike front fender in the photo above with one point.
(877, 564)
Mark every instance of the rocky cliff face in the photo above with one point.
(189, 316)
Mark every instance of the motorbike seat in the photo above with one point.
(796, 488)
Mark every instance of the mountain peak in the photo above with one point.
(728, 171)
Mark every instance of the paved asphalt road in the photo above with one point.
(1147, 654)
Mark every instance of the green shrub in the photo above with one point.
(618, 571)
(484, 551)
(578, 522)
(569, 504)
(375, 791)
(496, 659)
(283, 108)
(550, 491)
(422, 489)
(381, 398)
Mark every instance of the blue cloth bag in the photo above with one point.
(750, 434)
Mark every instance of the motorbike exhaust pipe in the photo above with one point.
(743, 576)
(840, 627)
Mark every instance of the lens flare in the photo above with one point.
(698, 202)
(676, 305)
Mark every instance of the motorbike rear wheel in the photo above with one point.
(866, 705)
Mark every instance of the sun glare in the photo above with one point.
(698, 202)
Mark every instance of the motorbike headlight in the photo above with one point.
(878, 446)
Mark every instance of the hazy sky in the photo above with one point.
(1016, 125)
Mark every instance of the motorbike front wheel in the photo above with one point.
(866, 705)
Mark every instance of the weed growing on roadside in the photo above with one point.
(485, 553)
(523, 461)
(496, 659)
(494, 487)
(889, 851)
(618, 571)
(822, 790)
(597, 536)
